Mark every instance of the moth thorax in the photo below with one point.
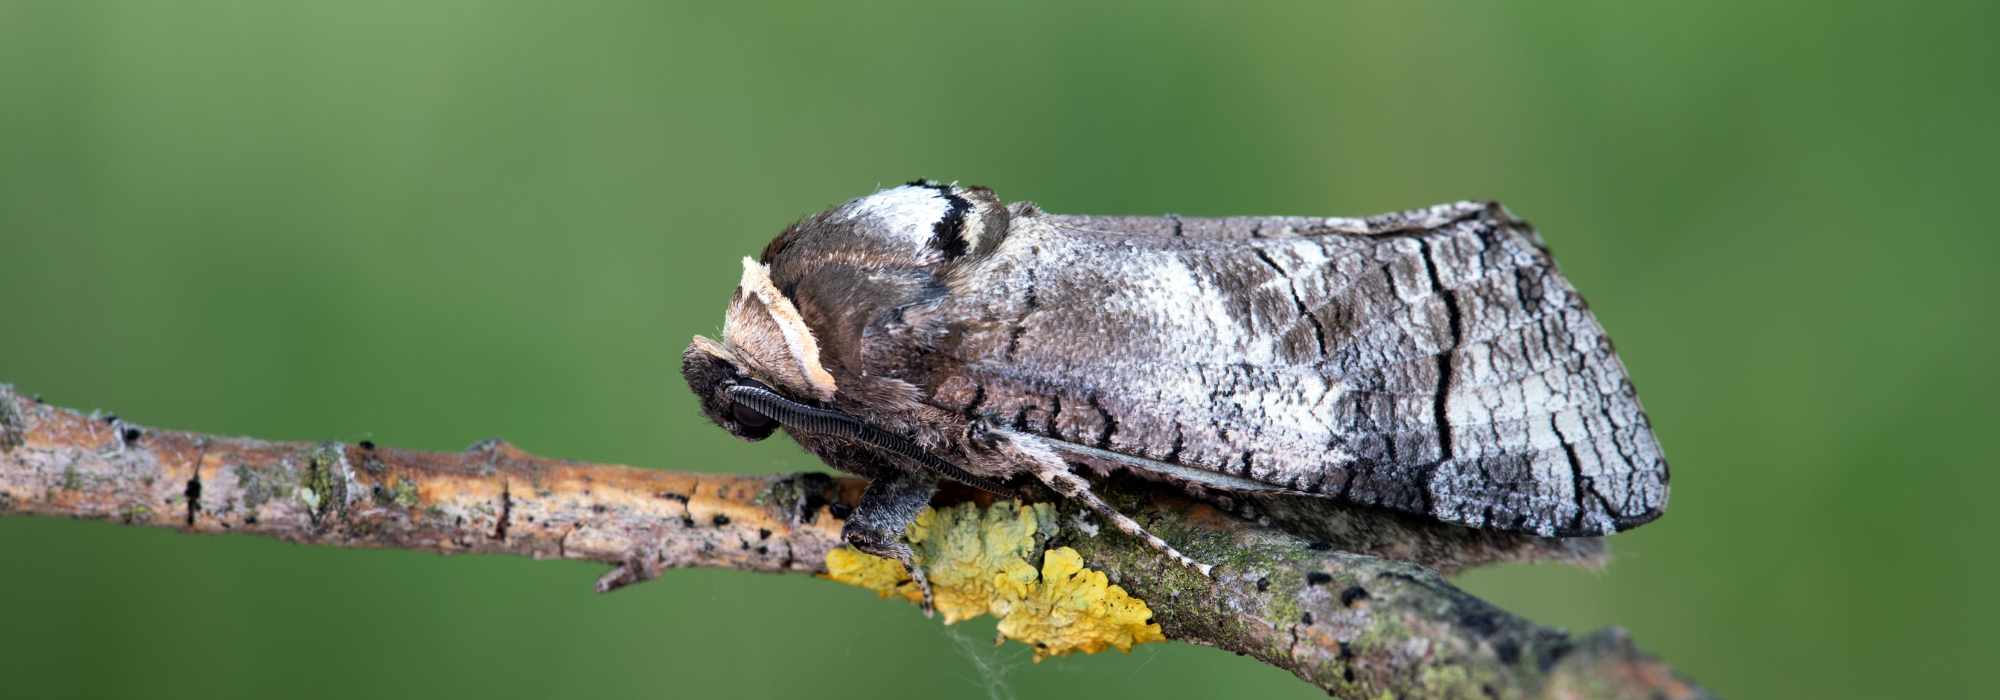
(927, 221)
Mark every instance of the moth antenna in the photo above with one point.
(1051, 470)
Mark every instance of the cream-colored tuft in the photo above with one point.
(798, 336)
(974, 227)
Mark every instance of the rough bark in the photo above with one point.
(1353, 624)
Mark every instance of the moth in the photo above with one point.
(1429, 361)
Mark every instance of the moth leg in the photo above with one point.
(1051, 470)
(880, 520)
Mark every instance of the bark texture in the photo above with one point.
(1353, 624)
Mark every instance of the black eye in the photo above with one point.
(749, 417)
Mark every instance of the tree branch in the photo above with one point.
(1326, 609)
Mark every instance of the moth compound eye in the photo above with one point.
(710, 370)
(749, 417)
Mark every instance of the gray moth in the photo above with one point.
(1429, 361)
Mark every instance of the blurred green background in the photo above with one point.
(430, 223)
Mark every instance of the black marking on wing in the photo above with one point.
(1444, 359)
(948, 234)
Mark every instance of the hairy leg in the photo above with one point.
(1035, 456)
(883, 516)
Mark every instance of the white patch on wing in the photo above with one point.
(909, 210)
(1173, 300)
(798, 336)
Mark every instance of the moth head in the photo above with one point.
(766, 344)
(922, 223)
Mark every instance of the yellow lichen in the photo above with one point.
(979, 563)
(1076, 609)
(867, 571)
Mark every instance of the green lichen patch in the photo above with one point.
(260, 486)
(802, 495)
(981, 561)
(72, 479)
(399, 492)
(323, 486)
(1448, 681)
(13, 426)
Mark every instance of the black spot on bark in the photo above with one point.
(368, 445)
(1263, 584)
(720, 520)
(1317, 578)
(130, 435)
(193, 493)
(506, 512)
(1306, 618)
(763, 534)
(1353, 595)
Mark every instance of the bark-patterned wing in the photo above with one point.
(1430, 361)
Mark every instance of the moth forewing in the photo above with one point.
(1430, 361)
(1408, 361)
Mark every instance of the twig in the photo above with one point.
(1353, 624)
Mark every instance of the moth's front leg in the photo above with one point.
(1026, 452)
(879, 522)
